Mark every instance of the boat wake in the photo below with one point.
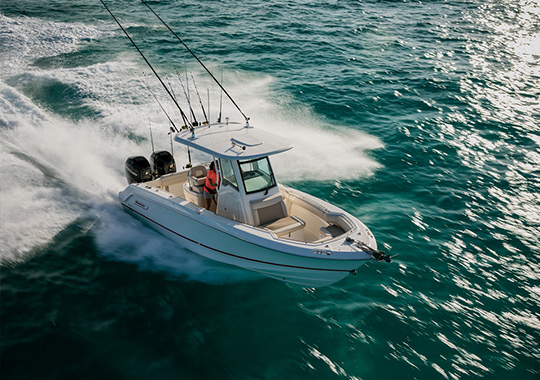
(322, 151)
(120, 237)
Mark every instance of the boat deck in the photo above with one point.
(171, 183)
(312, 222)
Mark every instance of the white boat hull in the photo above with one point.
(227, 241)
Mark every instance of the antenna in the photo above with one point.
(153, 157)
(220, 98)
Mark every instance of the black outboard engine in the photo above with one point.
(162, 163)
(138, 170)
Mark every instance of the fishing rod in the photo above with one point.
(187, 97)
(172, 130)
(199, 96)
(149, 65)
(172, 89)
(202, 64)
(158, 102)
(170, 85)
(187, 85)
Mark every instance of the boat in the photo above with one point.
(254, 222)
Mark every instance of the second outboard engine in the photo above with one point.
(138, 170)
(162, 163)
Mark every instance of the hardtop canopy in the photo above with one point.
(233, 141)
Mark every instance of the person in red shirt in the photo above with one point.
(210, 186)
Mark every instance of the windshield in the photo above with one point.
(257, 175)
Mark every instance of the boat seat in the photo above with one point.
(271, 213)
(268, 210)
(197, 178)
(330, 231)
(192, 196)
(286, 225)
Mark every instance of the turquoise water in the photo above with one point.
(420, 118)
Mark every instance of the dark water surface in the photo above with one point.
(420, 118)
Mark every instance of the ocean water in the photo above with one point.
(421, 118)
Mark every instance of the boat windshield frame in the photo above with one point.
(257, 174)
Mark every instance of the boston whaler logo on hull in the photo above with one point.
(141, 205)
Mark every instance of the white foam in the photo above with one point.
(50, 169)
(25, 39)
(31, 207)
(121, 237)
(322, 151)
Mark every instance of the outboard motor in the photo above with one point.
(162, 163)
(138, 170)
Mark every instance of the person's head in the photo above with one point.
(212, 166)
